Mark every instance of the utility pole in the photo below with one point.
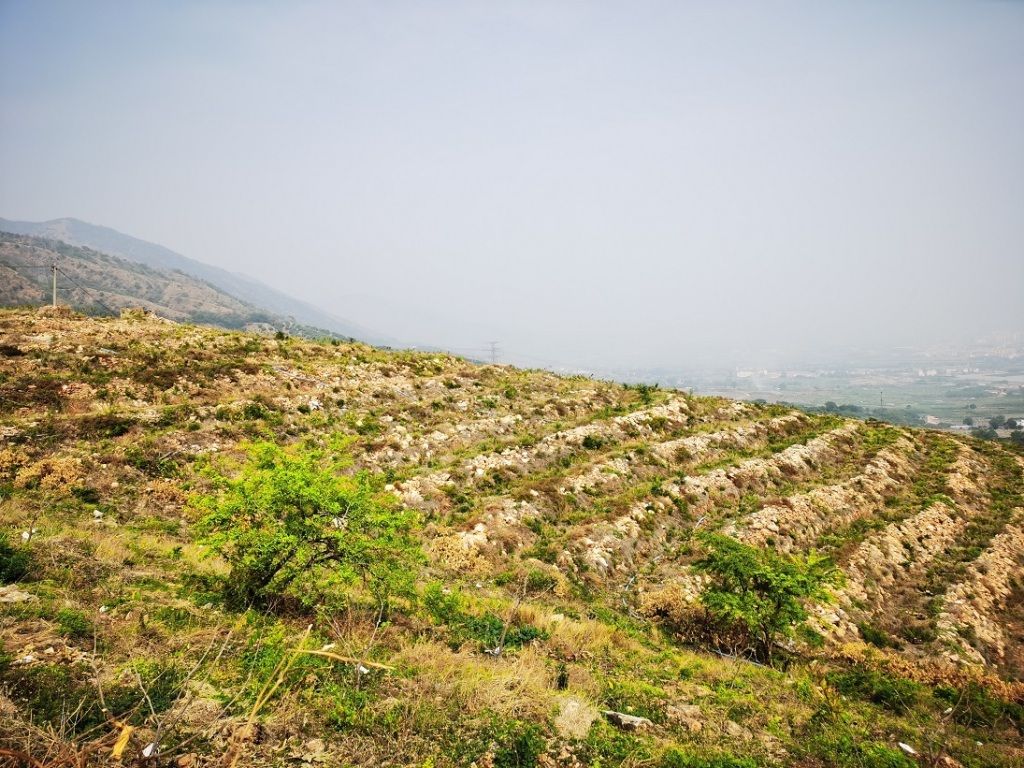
(494, 352)
(53, 271)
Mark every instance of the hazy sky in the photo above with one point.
(613, 182)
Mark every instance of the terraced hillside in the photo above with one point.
(555, 615)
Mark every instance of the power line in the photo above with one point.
(87, 290)
(55, 269)
(24, 266)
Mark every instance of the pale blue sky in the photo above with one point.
(628, 182)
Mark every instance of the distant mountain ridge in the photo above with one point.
(91, 281)
(246, 289)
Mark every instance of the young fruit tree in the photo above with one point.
(292, 523)
(761, 593)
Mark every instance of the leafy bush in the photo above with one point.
(919, 632)
(893, 693)
(86, 495)
(606, 745)
(518, 744)
(645, 391)
(446, 608)
(973, 705)
(290, 523)
(877, 637)
(105, 425)
(14, 562)
(760, 592)
(72, 623)
(146, 457)
(841, 746)
(65, 696)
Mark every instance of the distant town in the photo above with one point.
(977, 388)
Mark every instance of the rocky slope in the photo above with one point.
(242, 288)
(110, 426)
(98, 283)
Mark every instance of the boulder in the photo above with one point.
(627, 722)
(688, 715)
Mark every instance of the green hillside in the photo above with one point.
(228, 549)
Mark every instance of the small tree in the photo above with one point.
(760, 591)
(290, 521)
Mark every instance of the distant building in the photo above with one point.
(932, 420)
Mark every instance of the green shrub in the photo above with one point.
(839, 745)
(760, 592)
(894, 693)
(920, 633)
(346, 706)
(518, 744)
(446, 608)
(105, 425)
(45, 690)
(973, 705)
(86, 495)
(162, 680)
(174, 618)
(877, 637)
(73, 624)
(255, 410)
(606, 745)
(290, 523)
(544, 550)
(645, 392)
(65, 696)
(146, 457)
(14, 562)
(811, 636)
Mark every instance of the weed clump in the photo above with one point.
(73, 624)
(446, 608)
(14, 562)
(893, 693)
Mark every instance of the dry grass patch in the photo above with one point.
(516, 685)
